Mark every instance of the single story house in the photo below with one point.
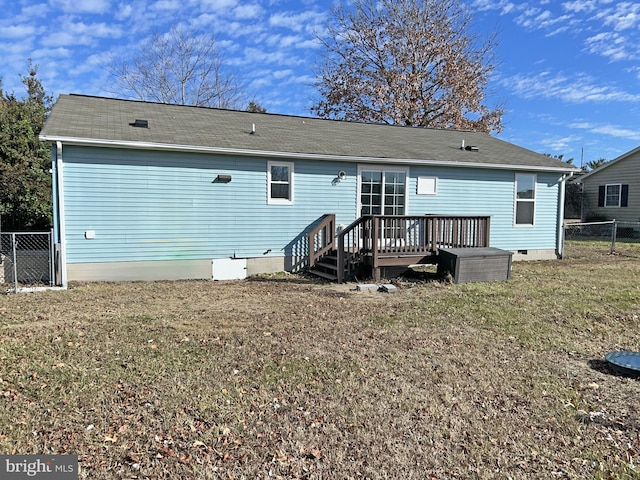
(146, 191)
(612, 191)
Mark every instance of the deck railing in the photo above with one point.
(400, 236)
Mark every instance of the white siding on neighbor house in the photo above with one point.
(624, 172)
(146, 205)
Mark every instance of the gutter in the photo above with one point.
(291, 155)
(560, 240)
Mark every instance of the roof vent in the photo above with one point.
(140, 123)
(471, 148)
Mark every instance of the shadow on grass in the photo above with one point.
(607, 368)
(288, 278)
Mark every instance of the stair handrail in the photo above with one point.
(349, 254)
(322, 238)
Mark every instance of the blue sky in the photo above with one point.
(568, 71)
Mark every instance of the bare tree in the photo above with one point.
(179, 67)
(406, 62)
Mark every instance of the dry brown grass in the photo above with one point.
(286, 377)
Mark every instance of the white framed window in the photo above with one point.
(280, 183)
(612, 195)
(525, 199)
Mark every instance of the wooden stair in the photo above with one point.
(326, 267)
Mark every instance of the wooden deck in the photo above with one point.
(379, 241)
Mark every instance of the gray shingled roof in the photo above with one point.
(89, 120)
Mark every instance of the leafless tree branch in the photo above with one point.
(179, 67)
(406, 62)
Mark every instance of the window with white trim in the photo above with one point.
(280, 183)
(612, 195)
(525, 199)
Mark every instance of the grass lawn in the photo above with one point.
(287, 377)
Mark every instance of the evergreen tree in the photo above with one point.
(25, 181)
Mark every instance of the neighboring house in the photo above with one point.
(156, 191)
(612, 191)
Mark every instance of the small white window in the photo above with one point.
(280, 182)
(525, 199)
(427, 185)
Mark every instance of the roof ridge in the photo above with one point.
(273, 114)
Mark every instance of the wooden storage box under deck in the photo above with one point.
(468, 265)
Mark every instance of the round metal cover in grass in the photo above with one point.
(626, 361)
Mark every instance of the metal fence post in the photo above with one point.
(51, 267)
(614, 232)
(15, 263)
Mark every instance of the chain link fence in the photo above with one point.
(582, 240)
(26, 260)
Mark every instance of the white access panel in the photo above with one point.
(228, 268)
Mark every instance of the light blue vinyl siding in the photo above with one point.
(463, 191)
(146, 205)
(152, 205)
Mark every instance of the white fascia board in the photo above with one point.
(90, 142)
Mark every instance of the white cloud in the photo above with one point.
(625, 16)
(298, 22)
(217, 5)
(256, 55)
(15, 48)
(611, 45)
(536, 19)
(17, 31)
(51, 53)
(247, 12)
(577, 88)
(30, 12)
(608, 129)
(124, 12)
(280, 74)
(82, 6)
(167, 5)
(560, 144)
(78, 33)
(504, 6)
(580, 6)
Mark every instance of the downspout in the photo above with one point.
(560, 239)
(61, 217)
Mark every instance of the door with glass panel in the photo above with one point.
(383, 192)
